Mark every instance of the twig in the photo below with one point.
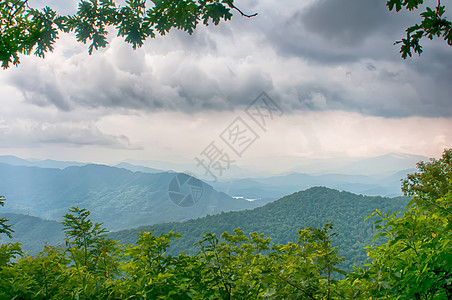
(17, 9)
(241, 12)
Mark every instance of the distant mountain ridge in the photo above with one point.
(106, 194)
(278, 186)
(118, 197)
(135, 168)
(383, 164)
(375, 176)
(47, 163)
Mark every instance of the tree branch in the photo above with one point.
(17, 9)
(241, 12)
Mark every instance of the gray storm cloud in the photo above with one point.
(329, 55)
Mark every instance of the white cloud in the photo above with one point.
(341, 97)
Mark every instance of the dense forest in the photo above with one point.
(412, 261)
(281, 219)
(34, 233)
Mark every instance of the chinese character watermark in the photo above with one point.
(185, 190)
(263, 110)
(214, 159)
(239, 136)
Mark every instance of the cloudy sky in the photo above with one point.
(337, 84)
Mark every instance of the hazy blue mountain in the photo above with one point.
(135, 168)
(47, 163)
(278, 186)
(191, 167)
(118, 197)
(382, 165)
(13, 160)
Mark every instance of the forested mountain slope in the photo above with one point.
(34, 233)
(281, 219)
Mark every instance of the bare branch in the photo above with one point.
(241, 12)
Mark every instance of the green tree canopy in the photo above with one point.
(415, 262)
(25, 30)
(434, 24)
(8, 250)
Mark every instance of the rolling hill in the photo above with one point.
(33, 232)
(281, 219)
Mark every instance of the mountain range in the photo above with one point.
(278, 186)
(117, 197)
(279, 220)
(374, 176)
(128, 195)
(33, 233)
(45, 163)
(380, 166)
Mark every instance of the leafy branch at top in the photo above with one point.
(23, 29)
(434, 24)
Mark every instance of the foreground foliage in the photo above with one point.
(238, 267)
(415, 263)
(24, 29)
(412, 263)
(281, 220)
(434, 24)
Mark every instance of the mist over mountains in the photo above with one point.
(278, 186)
(279, 220)
(379, 166)
(376, 176)
(125, 196)
(117, 197)
(128, 195)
